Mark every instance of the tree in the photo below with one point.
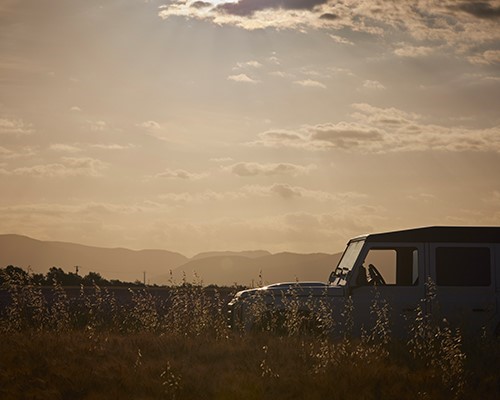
(94, 278)
(15, 275)
(56, 274)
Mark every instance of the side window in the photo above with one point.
(397, 266)
(463, 266)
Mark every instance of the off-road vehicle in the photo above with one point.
(449, 273)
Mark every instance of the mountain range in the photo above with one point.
(162, 267)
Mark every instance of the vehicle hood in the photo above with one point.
(297, 288)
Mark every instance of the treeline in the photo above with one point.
(57, 275)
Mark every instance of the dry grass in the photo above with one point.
(78, 365)
(97, 348)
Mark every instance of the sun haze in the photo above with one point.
(286, 125)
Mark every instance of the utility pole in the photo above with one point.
(76, 269)
(144, 277)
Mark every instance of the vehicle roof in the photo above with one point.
(443, 234)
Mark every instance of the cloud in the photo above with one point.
(274, 59)
(391, 116)
(252, 64)
(113, 146)
(87, 222)
(14, 127)
(423, 197)
(98, 126)
(244, 78)
(340, 40)
(345, 135)
(202, 197)
(329, 16)
(201, 4)
(150, 125)
(383, 130)
(64, 148)
(152, 128)
(180, 174)
(249, 7)
(68, 167)
(281, 74)
(375, 85)
(413, 51)
(280, 138)
(286, 191)
(246, 169)
(455, 25)
(253, 14)
(310, 83)
(299, 231)
(479, 9)
(251, 192)
(488, 57)
(5, 153)
(344, 71)
(221, 159)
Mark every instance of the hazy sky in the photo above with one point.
(286, 125)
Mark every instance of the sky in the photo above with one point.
(284, 125)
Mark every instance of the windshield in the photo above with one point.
(339, 276)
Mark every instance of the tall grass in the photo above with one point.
(95, 346)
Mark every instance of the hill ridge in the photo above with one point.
(222, 268)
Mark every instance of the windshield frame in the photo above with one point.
(347, 262)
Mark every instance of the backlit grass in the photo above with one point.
(94, 347)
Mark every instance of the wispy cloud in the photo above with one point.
(250, 7)
(247, 169)
(14, 127)
(152, 128)
(375, 85)
(310, 83)
(286, 191)
(488, 57)
(277, 190)
(221, 159)
(243, 78)
(480, 9)
(65, 148)
(413, 51)
(68, 167)
(150, 125)
(6, 153)
(383, 130)
(113, 146)
(98, 125)
(180, 174)
(340, 39)
(248, 64)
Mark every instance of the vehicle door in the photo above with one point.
(464, 277)
(399, 286)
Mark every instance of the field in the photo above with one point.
(93, 346)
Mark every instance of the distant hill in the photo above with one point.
(221, 268)
(248, 254)
(117, 263)
(227, 270)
